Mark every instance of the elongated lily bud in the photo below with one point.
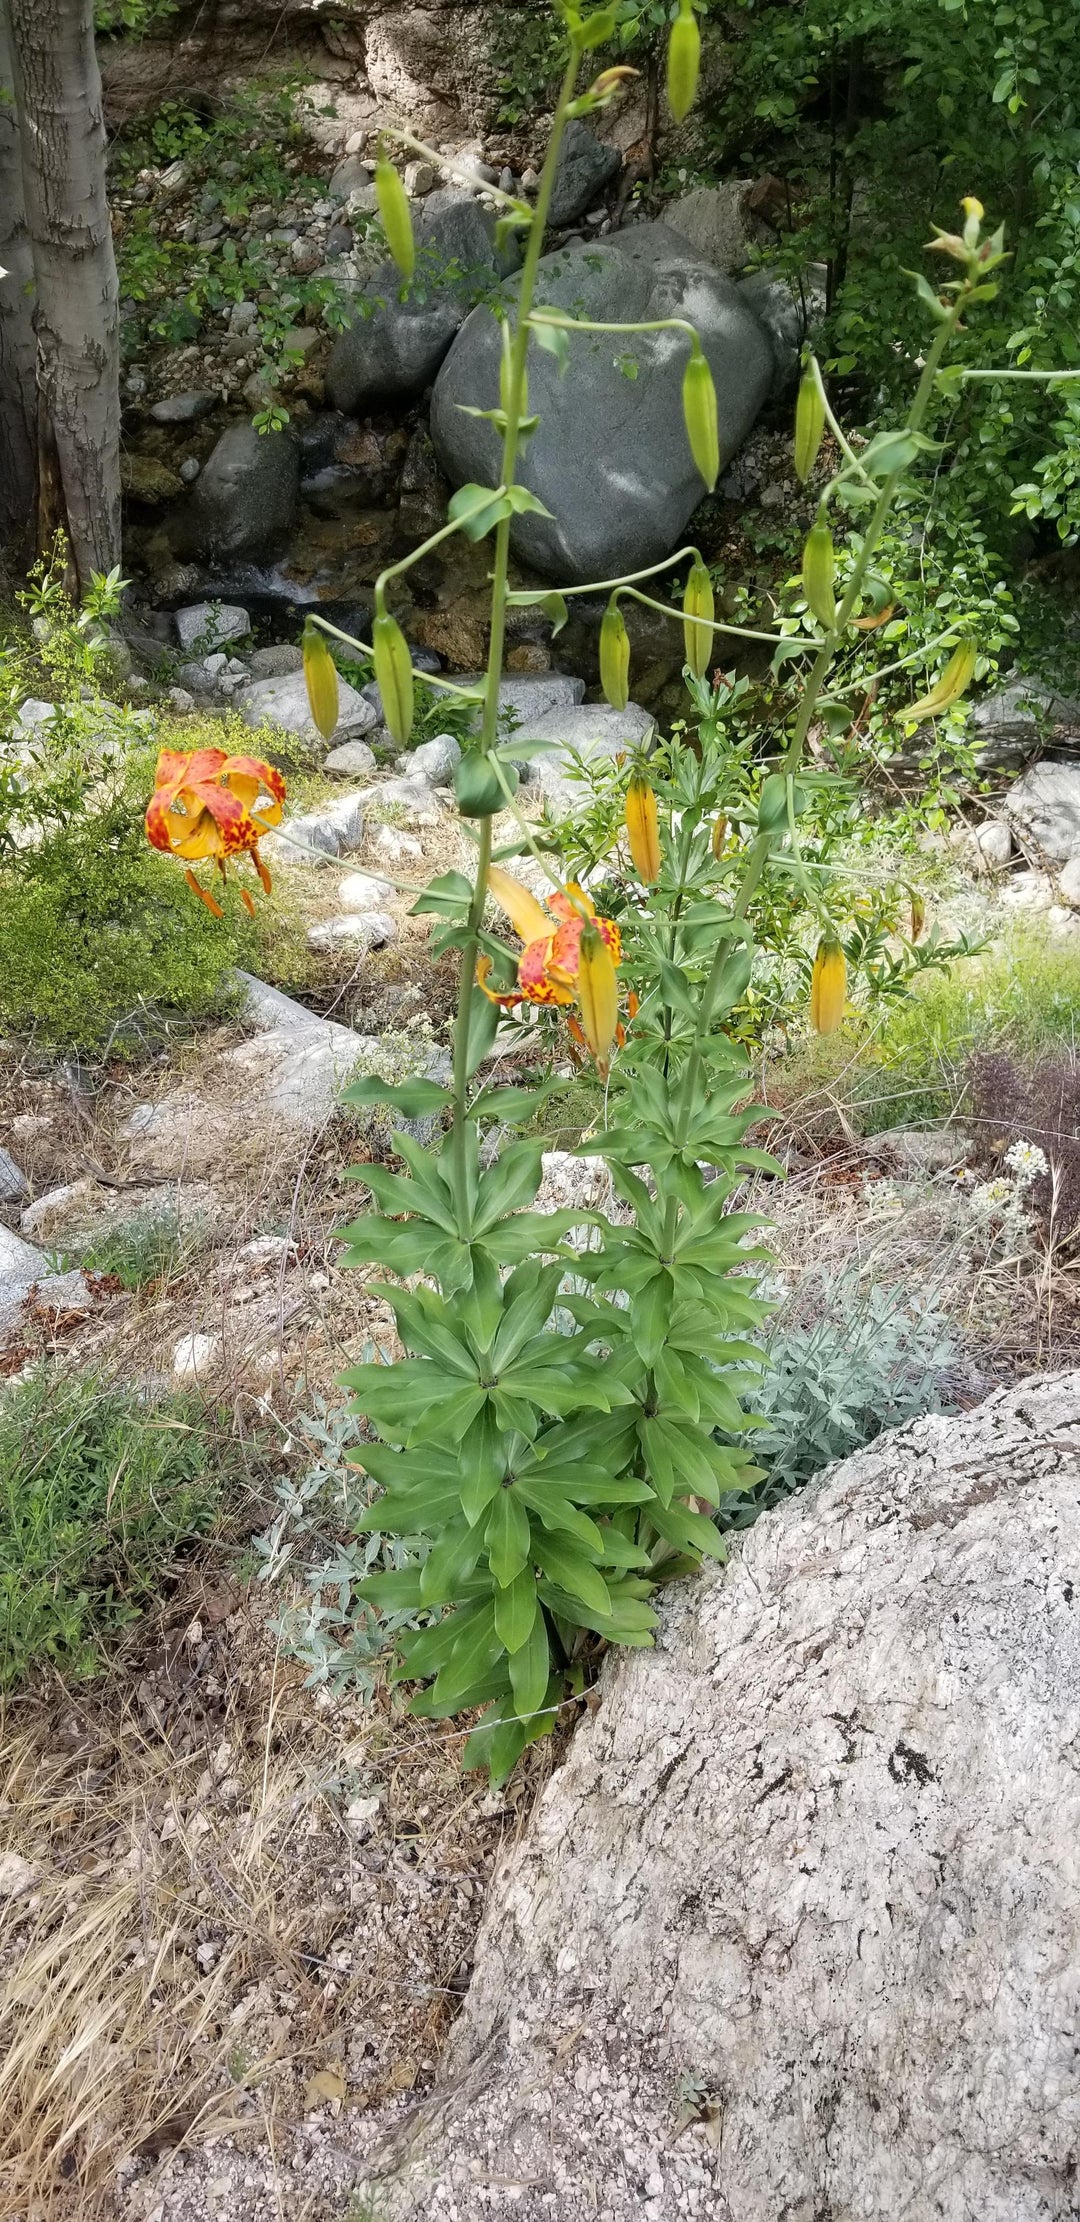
(719, 836)
(700, 414)
(809, 422)
(598, 994)
(321, 680)
(819, 575)
(396, 217)
(699, 603)
(683, 62)
(918, 915)
(393, 670)
(615, 656)
(828, 987)
(643, 829)
(954, 681)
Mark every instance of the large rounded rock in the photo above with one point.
(245, 501)
(611, 458)
(400, 333)
(795, 1932)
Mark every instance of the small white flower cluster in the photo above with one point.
(1026, 1162)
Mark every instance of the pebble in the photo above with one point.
(419, 179)
(394, 845)
(189, 469)
(180, 700)
(350, 760)
(363, 891)
(194, 1357)
(375, 928)
(182, 408)
(1069, 883)
(435, 761)
(242, 315)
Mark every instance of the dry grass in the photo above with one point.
(203, 1927)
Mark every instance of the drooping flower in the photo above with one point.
(550, 968)
(208, 804)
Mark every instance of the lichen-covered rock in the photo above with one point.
(796, 1928)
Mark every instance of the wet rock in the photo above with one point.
(423, 492)
(145, 478)
(401, 334)
(584, 169)
(617, 502)
(245, 501)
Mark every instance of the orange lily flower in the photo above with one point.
(549, 967)
(203, 806)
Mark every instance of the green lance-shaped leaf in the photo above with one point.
(683, 62)
(700, 415)
(699, 604)
(615, 656)
(819, 574)
(393, 671)
(809, 421)
(396, 217)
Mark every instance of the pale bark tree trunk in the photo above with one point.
(76, 317)
(18, 432)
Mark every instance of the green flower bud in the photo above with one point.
(819, 575)
(699, 604)
(700, 415)
(393, 670)
(683, 62)
(396, 217)
(615, 656)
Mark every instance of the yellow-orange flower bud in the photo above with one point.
(954, 681)
(321, 680)
(598, 995)
(643, 829)
(828, 987)
(719, 836)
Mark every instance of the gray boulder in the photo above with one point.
(1012, 722)
(400, 332)
(205, 626)
(717, 224)
(583, 170)
(351, 760)
(610, 458)
(592, 731)
(283, 702)
(435, 761)
(183, 408)
(245, 501)
(20, 1266)
(792, 1933)
(1043, 809)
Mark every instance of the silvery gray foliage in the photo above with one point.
(845, 1362)
(311, 1541)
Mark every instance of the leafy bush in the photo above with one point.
(143, 1251)
(844, 1362)
(98, 1492)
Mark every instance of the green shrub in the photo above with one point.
(153, 1248)
(98, 1491)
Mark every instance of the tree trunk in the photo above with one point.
(18, 434)
(76, 317)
